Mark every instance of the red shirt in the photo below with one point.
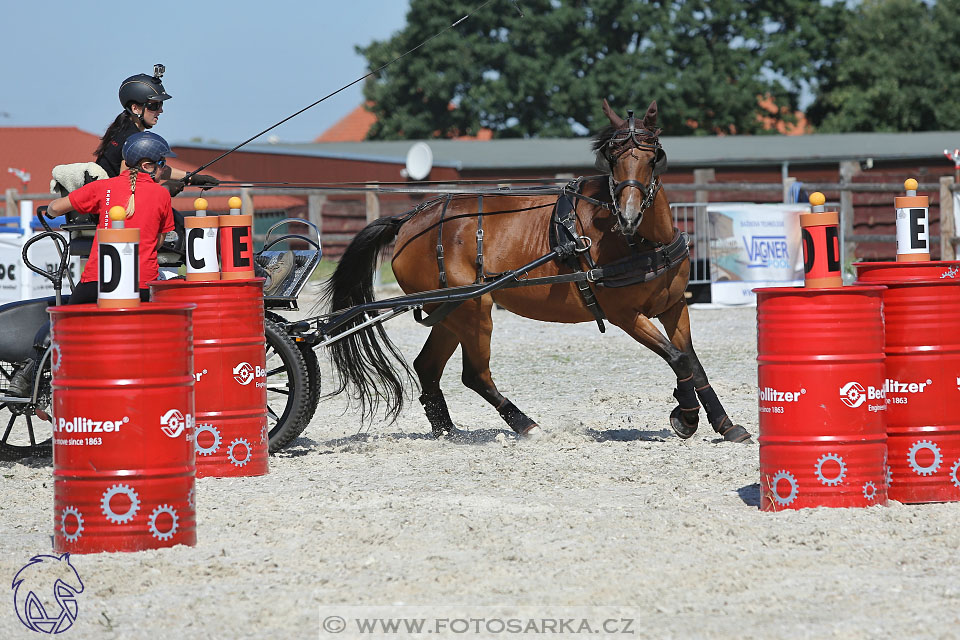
(152, 214)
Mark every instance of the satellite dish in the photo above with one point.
(419, 161)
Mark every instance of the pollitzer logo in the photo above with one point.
(174, 422)
(86, 425)
(854, 395)
(769, 394)
(244, 373)
(895, 386)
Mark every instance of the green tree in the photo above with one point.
(893, 69)
(706, 62)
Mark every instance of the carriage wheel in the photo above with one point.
(26, 429)
(288, 391)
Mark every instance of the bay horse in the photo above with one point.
(620, 222)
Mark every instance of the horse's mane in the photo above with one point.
(602, 137)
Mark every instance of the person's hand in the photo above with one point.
(174, 187)
(202, 180)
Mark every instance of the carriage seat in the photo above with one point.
(285, 294)
(19, 325)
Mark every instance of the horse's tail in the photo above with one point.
(369, 366)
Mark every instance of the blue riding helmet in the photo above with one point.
(145, 145)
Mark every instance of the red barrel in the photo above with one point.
(230, 368)
(881, 272)
(821, 400)
(922, 385)
(123, 450)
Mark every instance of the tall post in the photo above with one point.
(373, 204)
(703, 176)
(26, 221)
(11, 199)
(848, 169)
(315, 202)
(787, 188)
(948, 227)
(246, 201)
(373, 213)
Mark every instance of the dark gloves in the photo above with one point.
(174, 187)
(202, 180)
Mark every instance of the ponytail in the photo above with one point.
(120, 122)
(133, 187)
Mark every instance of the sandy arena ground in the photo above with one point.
(608, 509)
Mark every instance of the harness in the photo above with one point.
(568, 246)
(572, 249)
(639, 266)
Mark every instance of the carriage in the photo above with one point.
(600, 248)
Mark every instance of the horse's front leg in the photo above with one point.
(473, 325)
(692, 379)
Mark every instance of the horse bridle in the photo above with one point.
(624, 141)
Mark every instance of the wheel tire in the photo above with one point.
(313, 369)
(288, 391)
(22, 433)
(313, 379)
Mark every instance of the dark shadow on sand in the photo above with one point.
(457, 436)
(629, 435)
(750, 495)
(32, 462)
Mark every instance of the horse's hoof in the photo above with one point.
(533, 432)
(681, 428)
(736, 433)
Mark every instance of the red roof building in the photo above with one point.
(354, 127)
(37, 150)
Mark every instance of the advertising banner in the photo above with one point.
(753, 245)
(12, 270)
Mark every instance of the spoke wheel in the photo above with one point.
(288, 390)
(26, 429)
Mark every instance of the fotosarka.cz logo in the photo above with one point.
(400, 621)
(45, 594)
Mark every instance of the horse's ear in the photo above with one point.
(650, 119)
(615, 120)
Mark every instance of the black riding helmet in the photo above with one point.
(141, 88)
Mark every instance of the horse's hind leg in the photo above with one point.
(691, 379)
(429, 366)
(474, 334)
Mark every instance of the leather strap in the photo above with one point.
(440, 265)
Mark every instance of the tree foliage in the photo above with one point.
(706, 62)
(894, 68)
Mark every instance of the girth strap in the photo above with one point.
(479, 239)
(642, 267)
(563, 228)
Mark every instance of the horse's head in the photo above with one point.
(631, 154)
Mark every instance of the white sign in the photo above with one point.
(751, 246)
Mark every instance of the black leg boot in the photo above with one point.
(515, 419)
(436, 409)
(685, 418)
(718, 417)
